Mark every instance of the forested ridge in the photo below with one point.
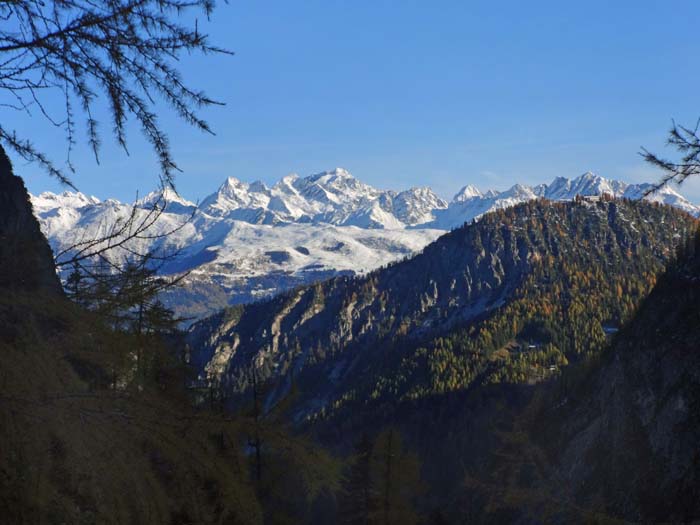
(511, 298)
(615, 439)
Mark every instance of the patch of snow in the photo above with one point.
(246, 237)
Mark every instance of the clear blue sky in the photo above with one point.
(406, 93)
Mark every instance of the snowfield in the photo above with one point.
(246, 240)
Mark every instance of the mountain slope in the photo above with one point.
(615, 437)
(462, 312)
(247, 241)
(77, 448)
(643, 401)
(25, 258)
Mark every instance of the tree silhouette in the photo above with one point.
(122, 51)
(395, 480)
(687, 142)
(357, 499)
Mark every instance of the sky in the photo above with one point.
(416, 93)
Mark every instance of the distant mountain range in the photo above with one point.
(247, 240)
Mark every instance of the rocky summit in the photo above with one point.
(247, 241)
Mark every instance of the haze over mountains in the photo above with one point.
(247, 240)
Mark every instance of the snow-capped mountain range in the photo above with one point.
(333, 197)
(248, 240)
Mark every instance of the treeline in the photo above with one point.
(589, 265)
(102, 425)
(99, 424)
(595, 445)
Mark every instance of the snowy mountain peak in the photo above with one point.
(560, 186)
(587, 184)
(230, 182)
(332, 176)
(290, 179)
(66, 199)
(519, 191)
(590, 183)
(466, 193)
(425, 193)
(173, 201)
(287, 184)
(664, 195)
(234, 195)
(341, 173)
(416, 205)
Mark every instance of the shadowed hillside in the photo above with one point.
(26, 260)
(615, 438)
(79, 443)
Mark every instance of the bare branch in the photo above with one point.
(122, 51)
(687, 142)
(121, 235)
